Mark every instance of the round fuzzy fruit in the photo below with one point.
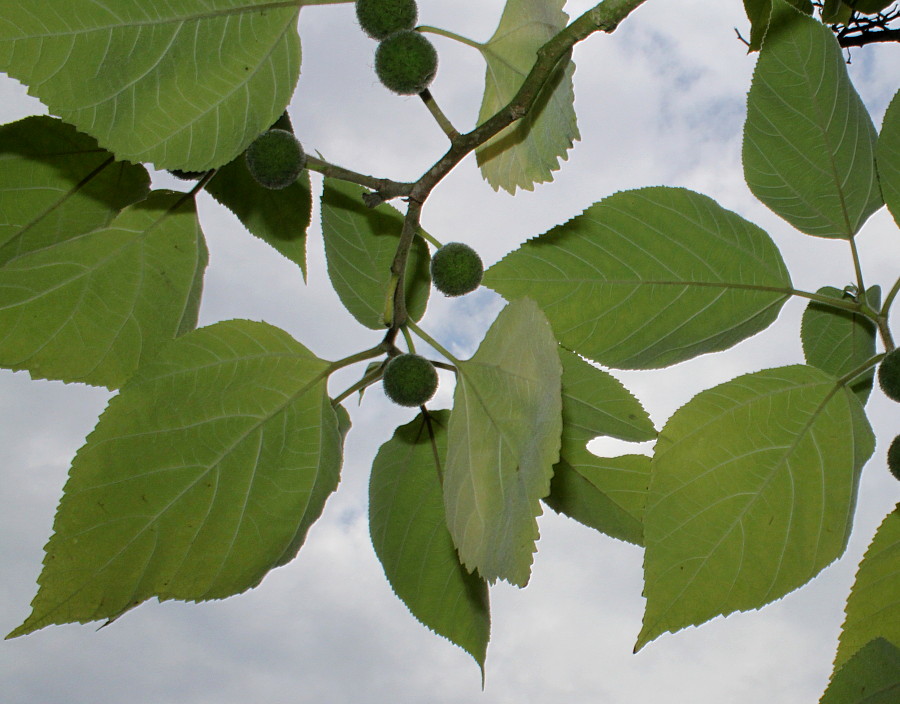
(889, 375)
(381, 18)
(456, 269)
(893, 458)
(275, 159)
(409, 380)
(406, 62)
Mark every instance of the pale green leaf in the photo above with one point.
(650, 277)
(871, 676)
(503, 440)
(197, 478)
(409, 533)
(528, 151)
(607, 494)
(873, 606)
(759, 12)
(360, 244)
(185, 85)
(887, 155)
(752, 491)
(95, 306)
(56, 183)
(809, 142)
(839, 341)
(278, 217)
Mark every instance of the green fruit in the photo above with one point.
(893, 457)
(409, 380)
(889, 375)
(381, 18)
(406, 62)
(275, 159)
(456, 269)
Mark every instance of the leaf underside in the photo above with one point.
(201, 475)
(887, 155)
(153, 81)
(871, 676)
(611, 297)
(527, 152)
(503, 440)
(752, 492)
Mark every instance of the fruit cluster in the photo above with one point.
(405, 61)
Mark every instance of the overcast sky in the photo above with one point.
(659, 102)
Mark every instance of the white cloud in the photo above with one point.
(659, 102)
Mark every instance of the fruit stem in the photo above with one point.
(438, 114)
(450, 35)
(410, 344)
(431, 341)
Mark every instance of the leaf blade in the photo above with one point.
(196, 478)
(613, 299)
(761, 513)
(503, 441)
(409, 532)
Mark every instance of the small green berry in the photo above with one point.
(381, 18)
(456, 269)
(406, 62)
(275, 159)
(893, 458)
(409, 380)
(889, 375)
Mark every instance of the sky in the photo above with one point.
(659, 102)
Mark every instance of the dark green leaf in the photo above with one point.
(759, 12)
(887, 154)
(56, 183)
(409, 533)
(360, 244)
(649, 278)
(504, 438)
(279, 218)
(200, 477)
(95, 306)
(873, 607)
(838, 341)
(809, 143)
(871, 676)
(752, 491)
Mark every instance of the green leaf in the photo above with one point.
(759, 12)
(56, 183)
(360, 243)
(871, 7)
(95, 306)
(871, 676)
(528, 151)
(409, 533)
(836, 12)
(197, 478)
(279, 218)
(611, 295)
(752, 492)
(838, 341)
(873, 606)
(503, 439)
(887, 155)
(607, 494)
(184, 85)
(808, 140)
